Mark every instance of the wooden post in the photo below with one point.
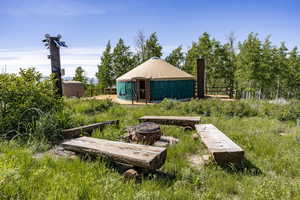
(147, 90)
(132, 91)
(200, 78)
(53, 43)
(55, 64)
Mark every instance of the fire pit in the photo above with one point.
(145, 133)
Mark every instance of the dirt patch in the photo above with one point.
(197, 160)
(56, 152)
(117, 100)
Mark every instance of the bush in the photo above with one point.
(24, 98)
(168, 104)
(49, 126)
(95, 106)
(241, 108)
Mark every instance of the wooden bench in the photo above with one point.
(172, 120)
(75, 132)
(222, 148)
(143, 156)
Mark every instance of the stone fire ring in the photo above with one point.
(147, 132)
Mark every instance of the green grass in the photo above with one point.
(271, 170)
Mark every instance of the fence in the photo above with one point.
(92, 91)
(219, 91)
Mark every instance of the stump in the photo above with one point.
(145, 133)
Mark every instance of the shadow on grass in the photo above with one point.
(246, 167)
(156, 175)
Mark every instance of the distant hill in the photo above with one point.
(92, 80)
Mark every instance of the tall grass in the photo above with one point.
(271, 170)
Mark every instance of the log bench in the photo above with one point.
(75, 132)
(172, 120)
(222, 148)
(143, 156)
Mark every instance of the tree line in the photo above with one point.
(253, 68)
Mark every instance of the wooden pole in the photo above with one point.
(55, 65)
(53, 43)
(200, 78)
(132, 90)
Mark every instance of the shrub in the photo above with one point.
(241, 108)
(24, 98)
(49, 126)
(244, 109)
(168, 104)
(98, 106)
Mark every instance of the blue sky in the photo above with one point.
(87, 25)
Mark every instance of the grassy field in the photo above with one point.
(267, 132)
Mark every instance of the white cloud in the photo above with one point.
(169, 48)
(87, 57)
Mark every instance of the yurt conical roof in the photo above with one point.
(156, 69)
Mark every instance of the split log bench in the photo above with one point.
(75, 132)
(222, 148)
(188, 122)
(143, 156)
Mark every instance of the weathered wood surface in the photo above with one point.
(172, 120)
(75, 132)
(166, 141)
(223, 149)
(138, 155)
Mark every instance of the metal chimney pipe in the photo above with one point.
(200, 78)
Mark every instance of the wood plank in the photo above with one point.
(172, 120)
(75, 132)
(165, 141)
(223, 149)
(143, 156)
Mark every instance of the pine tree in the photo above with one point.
(105, 73)
(176, 57)
(79, 75)
(152, 47)
(123, 59)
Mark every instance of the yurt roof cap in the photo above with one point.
(156, 69)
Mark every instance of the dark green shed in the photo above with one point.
(155, 80)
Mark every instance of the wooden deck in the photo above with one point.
(172, 120)
(223, 149)
(138, 155)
